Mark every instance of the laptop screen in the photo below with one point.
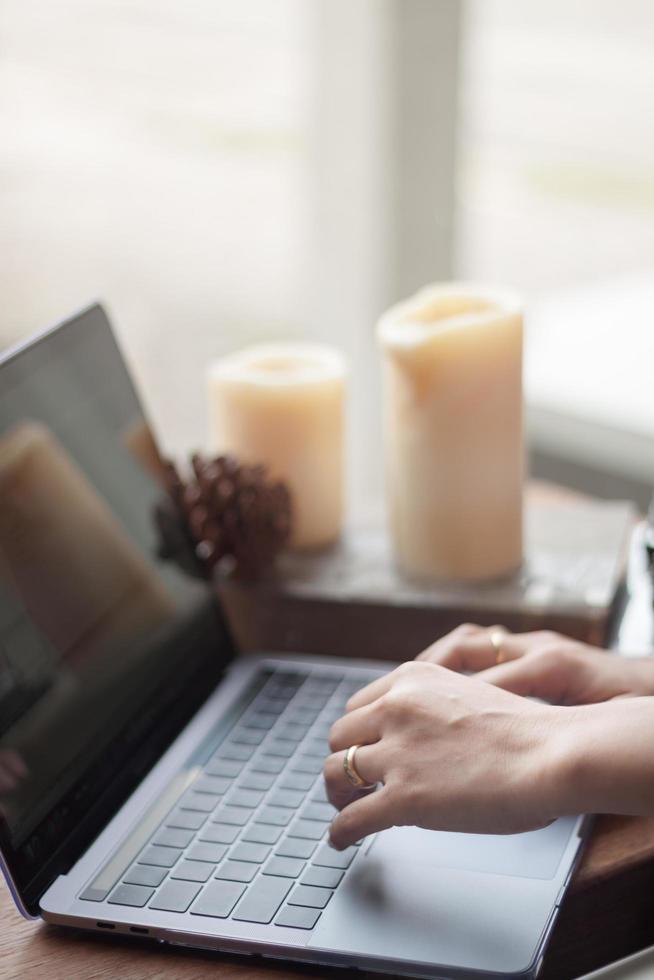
(105, 649)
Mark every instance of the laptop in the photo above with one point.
(155, 783)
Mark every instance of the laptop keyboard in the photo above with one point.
(247, 839)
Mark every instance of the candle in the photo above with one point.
(453, 420)
(283, 405)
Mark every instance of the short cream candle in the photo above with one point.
(454, 431)
(283, 405)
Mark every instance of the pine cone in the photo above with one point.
(227, 511)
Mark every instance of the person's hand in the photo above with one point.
(449, 753)
(542, 664)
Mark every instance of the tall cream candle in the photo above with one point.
(283, 405)
(454, 442)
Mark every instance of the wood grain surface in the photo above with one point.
(608, 913)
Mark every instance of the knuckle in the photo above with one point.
(549, 637)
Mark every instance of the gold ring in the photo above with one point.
(351, 772)
(495, 638)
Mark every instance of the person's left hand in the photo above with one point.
(449, 752)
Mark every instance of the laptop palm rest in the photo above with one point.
(466, 900)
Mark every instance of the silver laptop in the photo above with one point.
(154, 783)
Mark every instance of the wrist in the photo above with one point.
(563, 766)
(600, 758)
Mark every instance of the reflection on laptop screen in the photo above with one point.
(94, 628)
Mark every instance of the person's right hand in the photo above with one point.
(544, 665)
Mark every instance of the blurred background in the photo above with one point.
(221, 172)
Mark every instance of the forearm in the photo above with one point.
(603, 758)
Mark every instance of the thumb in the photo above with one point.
(366, 815)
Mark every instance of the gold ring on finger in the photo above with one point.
(351, 772)
(496, 638)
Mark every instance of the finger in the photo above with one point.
(366, 815)
(475, 653)
(440, 647)
(371, 691)
(528, 676)
(368, 763)
(358, 727)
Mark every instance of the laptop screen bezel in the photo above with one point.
(80, 815)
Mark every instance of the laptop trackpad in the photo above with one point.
(535, 854)
(447, 898)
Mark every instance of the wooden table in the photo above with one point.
(608, 913)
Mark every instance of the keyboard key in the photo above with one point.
(320, 792)
(322, 730)
(291, 732)
(171, 837)
(307, 763)
(160, 857)
(311, 898)
(219, 833)
(274, 706)
(317, 747)
(256, 780)
(262, 900)
(260, 833)
(92, 894)
(223, 767)
(134, 895)
(175, 896)
(217, 785)
(315, 702)
(256, 853)
(295, 847)
(237, 753)
(308, 829)
(193, 871)
(327, 857)
(263, 720)
(275, 815)
(303, 714)
(218, 899)
(319, 811)
(247, 736)
(322, 684)
(283, 689)
(322, 877)
(213, 853)
(186, 819)
(284, 867)
(237, 871)
(245, 797)
(284, 750)
(143, 874)
(332, 714)
(237, 815)
(269, 763)
(297, 780)
(291, 798)
(202, 802)
(296, 917)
